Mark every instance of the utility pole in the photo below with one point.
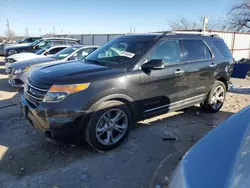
(54, 32)
(134, 29)
(8, 32)
(26, 33)
(40, 32)
(205, 21)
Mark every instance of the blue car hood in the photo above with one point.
(220, 159)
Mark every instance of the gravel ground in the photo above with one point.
(145, 159)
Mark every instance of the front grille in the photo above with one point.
(35, 91)
(9, 70)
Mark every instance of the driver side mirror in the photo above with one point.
(35, 47)
(153, 64)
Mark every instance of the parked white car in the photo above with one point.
(19, 71)
(29, 55)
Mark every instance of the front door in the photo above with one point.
(164, 89)
(199, 70)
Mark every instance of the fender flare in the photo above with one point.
(117, 96)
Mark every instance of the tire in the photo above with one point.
(11, 52)
(209, 104)
(99, 118)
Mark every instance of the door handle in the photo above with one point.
(179, 72)
(213, 65)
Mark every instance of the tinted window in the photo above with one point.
(57, 42)
(55, 50)
(168, 51)
(44, 43)
(222, 47)
(196, 50)
(71, 43)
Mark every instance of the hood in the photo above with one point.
(13, 46)
(30, 62)
(72, 72)
(22, 55)
(220, 159)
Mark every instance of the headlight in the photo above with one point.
(59, 92)
(18, 71)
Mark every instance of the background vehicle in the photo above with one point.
(39, 44)
(28, 40)
(49, 51)
(127, 79)
(217, 160)
(19, 71)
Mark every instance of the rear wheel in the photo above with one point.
(215, 98)
(108, 126)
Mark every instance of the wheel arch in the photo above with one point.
(129, 101)
(224, 79)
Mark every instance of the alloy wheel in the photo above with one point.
(112, 126)
(218, 97)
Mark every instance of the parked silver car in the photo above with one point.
(18, 72)
(49, 51)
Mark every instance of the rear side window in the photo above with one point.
(55, 50)
(222, 47)
(196, 50)
(57, 42)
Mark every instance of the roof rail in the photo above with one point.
(164, 33)
(198, 32)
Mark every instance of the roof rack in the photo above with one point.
(199, 32)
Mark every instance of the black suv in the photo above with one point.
(128, 79)
(29, 40)
(39, 44)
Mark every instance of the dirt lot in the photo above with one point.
(27, 160)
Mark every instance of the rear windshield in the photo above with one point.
(222, 47)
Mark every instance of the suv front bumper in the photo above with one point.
(59, 126)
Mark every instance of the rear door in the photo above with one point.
(164, 89)
(199, 69)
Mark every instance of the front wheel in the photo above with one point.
(108, 126)
(11, 52)
(215, 98)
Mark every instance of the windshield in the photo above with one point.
(35, 42)
(64, 53)
(39, 52)
(121, 52)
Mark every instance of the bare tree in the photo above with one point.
(184, 24)
(239, 17)
(8, 32)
